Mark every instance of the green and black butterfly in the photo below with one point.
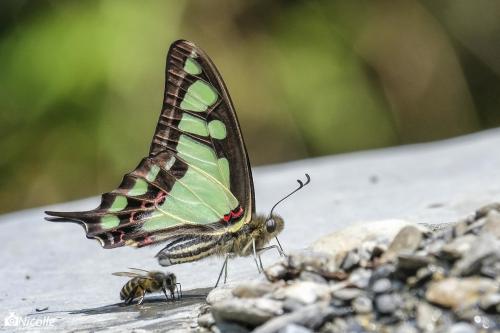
(194, 192)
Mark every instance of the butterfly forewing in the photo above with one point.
(197, 174)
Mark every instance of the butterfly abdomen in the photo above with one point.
(190, 248)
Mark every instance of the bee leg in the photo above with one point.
(142, 297)
(165, 292)
(179, 290)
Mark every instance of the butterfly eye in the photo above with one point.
(270, 225)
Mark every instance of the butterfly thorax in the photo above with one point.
(255, 230)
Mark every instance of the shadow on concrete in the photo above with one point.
(153, 305)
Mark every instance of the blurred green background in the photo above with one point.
(81, 82)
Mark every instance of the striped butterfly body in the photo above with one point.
(194, 191)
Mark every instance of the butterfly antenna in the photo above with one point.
(301, 185)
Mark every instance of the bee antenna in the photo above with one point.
(301, 185)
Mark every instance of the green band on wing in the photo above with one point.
(140, 187)
(109, 221)
(199, 96)
(192, 66)
(119, 203)
(224, 168)
(193, 125)
(217, 129)
(153, 172)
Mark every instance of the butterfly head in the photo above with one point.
(274, 224)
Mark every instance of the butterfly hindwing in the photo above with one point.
(197, 174)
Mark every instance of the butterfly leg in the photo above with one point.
(222, 270)
(280, 250)
(255, 257)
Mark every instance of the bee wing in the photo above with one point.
(138, 269)
(130, 274)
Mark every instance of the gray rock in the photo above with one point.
(489, 302)
(305, 292)
(206, 320)
(294, 328)
(352, 237)
(311, 316)
(276, 271)
(247, 311)
(347, 294)
(454, 292)
(253, 289)
(360, 278)
(459, 246)
(219, 294)
(386, 303)
(382, 286)
(483, 211)
(428, 317)
(462, 328)
(351, 259)
(362, 304)
(407, 240)
(226, 327)
(492, 224)
(412, 262)
(405, 328)
(484, 246)
(312, 277)
(460, 228)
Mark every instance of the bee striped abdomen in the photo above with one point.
(132, 286)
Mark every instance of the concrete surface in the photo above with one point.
(53, 265)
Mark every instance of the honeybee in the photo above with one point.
(143, 282)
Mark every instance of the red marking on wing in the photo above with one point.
(233, 215)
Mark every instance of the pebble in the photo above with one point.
(347, 294)
(381, 286)
(459, 246)
(484, 246)
(490, 302)
(386, 303)
(305, 292)
(312, 316)
(492, 224)
(218, 294)
(293, 328)
(253, 289)
(362, 304)
(351, 260)
(462, 328)
(454, 292)
(246, 311)
(407, 240)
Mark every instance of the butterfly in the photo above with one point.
(194, 191)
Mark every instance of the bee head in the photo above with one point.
(169, 280)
